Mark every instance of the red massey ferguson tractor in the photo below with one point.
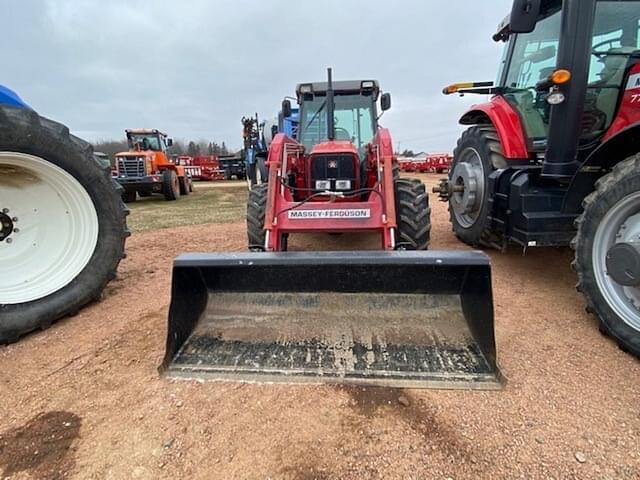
(553, 158)
(339, 175)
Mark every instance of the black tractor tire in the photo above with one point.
(413, 214)
(621, 182)
(144, 194)
(183, 183)
(484, 140)
(130, 197)
(256, 208)
(170, 185)
(24, 131)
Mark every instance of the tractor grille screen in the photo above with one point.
(333, 167)
(131, 167)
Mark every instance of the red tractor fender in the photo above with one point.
(507, 123)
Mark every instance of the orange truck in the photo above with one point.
(145, 168)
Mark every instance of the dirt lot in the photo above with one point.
(84, 400)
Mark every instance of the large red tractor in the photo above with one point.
(552, 159)
(392, 318)
(340, 174)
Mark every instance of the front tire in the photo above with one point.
(474, 159)
(67, 218)
(183, 183)
(611, 216)
(170, 185)
(413, 214)
(256, 209)
(130, 197)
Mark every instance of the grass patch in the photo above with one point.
(205, 205)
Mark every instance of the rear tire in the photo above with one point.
(25, 135)
(413, 214)
(610, 216)
(474, 159)
(170, 185)
(144, 194)
(256, 208)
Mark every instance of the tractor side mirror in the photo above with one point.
(169, 142)
(385, 101)
(286, 108)
(524, 16)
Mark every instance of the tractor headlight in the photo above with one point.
(555, 98)
(343, 184)
(306, 88)
(367, 85)
(323, 185)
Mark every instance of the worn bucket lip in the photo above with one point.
(428, 258)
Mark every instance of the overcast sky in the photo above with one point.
(192, 68)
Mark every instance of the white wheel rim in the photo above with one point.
(55, 228)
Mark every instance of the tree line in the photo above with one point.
(180, 147)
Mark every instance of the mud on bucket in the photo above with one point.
(401, 319)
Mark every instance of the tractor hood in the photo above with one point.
(334, 146)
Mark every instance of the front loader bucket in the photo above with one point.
(401, 319)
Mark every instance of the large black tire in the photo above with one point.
(144, 194)
(183, 183)
(256, 208)
(622, 181)
(170, 185)
(24, 131)
(483, 140)
(413, 214)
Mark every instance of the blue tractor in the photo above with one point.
(62, 221)
(257, 138)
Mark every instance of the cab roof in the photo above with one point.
(340, 87)
(145, 131)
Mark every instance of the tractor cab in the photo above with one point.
(337, 124)
(148, 140)
(534, 77)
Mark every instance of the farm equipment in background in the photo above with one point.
(233, 166)
(438, 162)
(553, 158)
(391, 318)
(62, 221)
(257, 138)
(202, 167)
(254, 150)
(406, 164)
(145, 168)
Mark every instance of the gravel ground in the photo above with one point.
(84, 399)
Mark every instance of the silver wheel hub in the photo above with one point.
(621, 224)
(468, 174)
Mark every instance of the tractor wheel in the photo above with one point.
(183, 182)
(256, 207)
(62, 223)
(413, 215)
(129, 197)
(607, 253)
(144, 194)
(170, 185)
(476, 156)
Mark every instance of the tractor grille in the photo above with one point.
(131, 167)
(335, 167)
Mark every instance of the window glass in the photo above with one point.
(353, 120)
(615, 38)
